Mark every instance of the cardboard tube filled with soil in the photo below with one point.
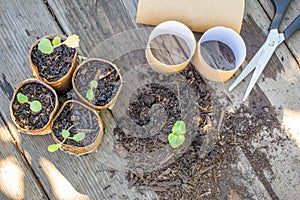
(220, 52)
(98, 83)
(75, 117)
(198, 15)
(176, 29)
(56, 68)
(33, 107)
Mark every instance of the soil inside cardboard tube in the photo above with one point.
(56, 65)
(27, 119)
(77, 119)
(107, 77)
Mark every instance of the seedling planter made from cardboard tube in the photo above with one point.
(55, 69)
(76, 117)
(26, 120)
(97, 83)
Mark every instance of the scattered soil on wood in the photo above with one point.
(203, 171)
(76, 118)
(56, 65)
(28, 119)
(218, 55)
(107, 77)
(194, 176)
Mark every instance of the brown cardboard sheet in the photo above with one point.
(198, 15)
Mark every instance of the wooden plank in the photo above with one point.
(16, 178)
(84, 177)
(280, 79)
(279, 85)
(256, 22)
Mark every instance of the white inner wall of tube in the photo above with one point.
(177, 29)
(229, 37)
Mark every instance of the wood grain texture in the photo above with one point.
(96, 22)
(63, 176)
(16, 178)
(277, 87)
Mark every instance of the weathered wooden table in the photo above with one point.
(29, 171)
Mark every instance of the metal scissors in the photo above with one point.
(274, 39)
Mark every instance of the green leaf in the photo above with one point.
(89, 94)
(79, 137)
(65, 134)
(45, 46)
(179, 128)
(93, 84)
(56, 41)
(175, 140)
(22, 98)
(35, 106)
(53, 147)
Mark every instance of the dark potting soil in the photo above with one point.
(194, 177)
(76, 118)
(27, 119)
(218, 55)
(197, 173)
(56, 65)
(107, 77)
(140, 104)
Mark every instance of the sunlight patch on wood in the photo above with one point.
(61, 187)
(11, 178)
(291, 123)
(4, 136)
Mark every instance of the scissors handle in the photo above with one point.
(280, 7)
(292, 28)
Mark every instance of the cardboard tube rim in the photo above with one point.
(173, 28)
(206, 70)
(46, 129)
(64, 82)
(83, 99)
(80, 150)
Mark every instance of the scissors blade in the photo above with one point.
(250, 67)
(273, 41)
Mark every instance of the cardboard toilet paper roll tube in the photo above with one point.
(174, 28)
(198, 15)
(229, 37)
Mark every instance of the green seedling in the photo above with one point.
(35, 106)
(177, 137)
(45, 45)
(66, 135)
(90, 93)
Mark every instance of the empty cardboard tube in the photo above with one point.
(177, 29)
(229, 37)
(199, 15)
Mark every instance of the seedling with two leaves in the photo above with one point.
(35, 106)
(90, 93)
(177, 137)
(47, 47)
(66, 135)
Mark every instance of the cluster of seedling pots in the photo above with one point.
(76, 126)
